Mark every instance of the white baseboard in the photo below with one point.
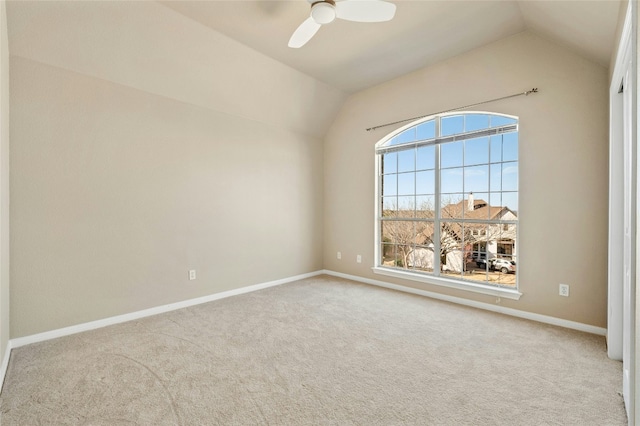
(481, 305)
(66, 331)
(40, 337)
(5, 364)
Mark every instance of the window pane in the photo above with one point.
(386, 230)
(474, 237)
(505, 249)
(424, 233)
(408, 135)
(392, 141)
(510, 176)
(402, 255)
(407, 160)
(494, 233)
(427, 130)
(504, 265)
(451, 248)
(498, 120)
(496, 148)
(402, 234)
(510, 200)
(451, 154)
(427, 230)
(389, 185)
(406, 183)
(475, 122)
(476, 179)
(406, 206)
(479, 254)
(452, 125)
(452, 206)
(425, 206)
(388, 254)
(421, 259)
(507, 238)
(425, 182)
(389, 206)
(398, 231)
(495, 178)
(426, 157)
(476, 151)
(507, 200)
(510, 147)
(495, 199)
(466, 237)
(479, 209)
(390, 162)
(451, 180)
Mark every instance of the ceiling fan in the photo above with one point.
(326, 11)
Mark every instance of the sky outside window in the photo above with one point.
(486, 165)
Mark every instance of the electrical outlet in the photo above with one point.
(359, 259)
(192, 274)
(339, 255)
(564, 290)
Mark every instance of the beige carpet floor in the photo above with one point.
(321, 351)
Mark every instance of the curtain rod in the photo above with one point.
(534, 90)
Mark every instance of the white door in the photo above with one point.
(624, 215)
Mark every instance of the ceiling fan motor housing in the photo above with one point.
(324, 11)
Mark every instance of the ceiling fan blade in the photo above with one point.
(365, 10)
(303, 34)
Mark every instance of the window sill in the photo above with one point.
(506, 293)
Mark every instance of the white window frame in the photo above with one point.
(435, 279)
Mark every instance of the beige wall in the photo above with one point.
(563, 167)
(4, 182)
(131, 167)
(142, 151)
(148, 46)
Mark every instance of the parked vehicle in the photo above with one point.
(503, 265)
(496, 264)
(482, 263)
(481, 260)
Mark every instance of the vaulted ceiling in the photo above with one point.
(353, 56)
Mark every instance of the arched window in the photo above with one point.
(447, 202)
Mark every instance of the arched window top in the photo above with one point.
(448, 127)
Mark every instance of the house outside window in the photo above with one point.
(447, 201)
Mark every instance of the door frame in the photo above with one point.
(622, 338)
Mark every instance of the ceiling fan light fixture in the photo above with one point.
(326, 11)
(323, 12)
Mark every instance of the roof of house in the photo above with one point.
(459, 210)
(481, 210)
